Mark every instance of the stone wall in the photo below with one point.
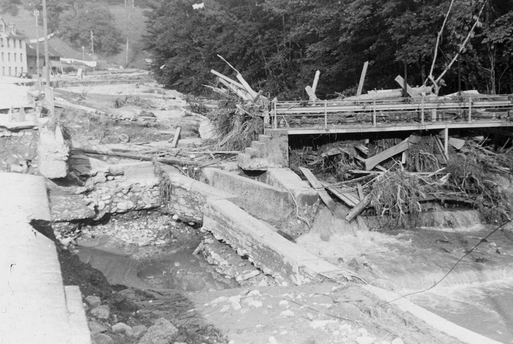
(18, 150)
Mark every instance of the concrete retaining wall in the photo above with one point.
(126, 187)
(269, 251)
(260, 200)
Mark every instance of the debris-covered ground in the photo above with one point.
(142, 121)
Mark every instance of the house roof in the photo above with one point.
(32, 50)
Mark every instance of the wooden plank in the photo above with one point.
(311, 93)
(316, 184)
(176, 137)
(358, 208)
(352, 197)
(440, 147)
(341, 196)
(227, 79)
(414, 92)
(315, 81)
(360, 191)
(362, 78)
(238, 91)
(371, 162)
(247, 87)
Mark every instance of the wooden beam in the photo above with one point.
(311, 94)
(362, 78)
(371, 162)
(359, 208)
(227, 79)
(315, 81)
(176, 137)
(246, 86)
(411, 92)
(341, 196)
(316, 184)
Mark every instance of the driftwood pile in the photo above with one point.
(396, 181)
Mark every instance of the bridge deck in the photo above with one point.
(338, 117)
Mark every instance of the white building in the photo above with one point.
(13, 56)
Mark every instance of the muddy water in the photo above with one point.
(182, 270)
(165, 267)
(486, 308)
(476, 294)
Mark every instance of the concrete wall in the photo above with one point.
(269, 251)
(260, 200)
(124, 187)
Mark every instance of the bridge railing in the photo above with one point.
(328, 113)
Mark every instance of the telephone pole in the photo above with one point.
(36, 14)
(45, 33)
(92, 48)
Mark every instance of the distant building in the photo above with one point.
(53, 56)
(13, 55)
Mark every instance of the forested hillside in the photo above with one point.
(279, 44)
(117, 26)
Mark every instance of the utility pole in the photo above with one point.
(36, 14)
(45, 33)
(92, 47)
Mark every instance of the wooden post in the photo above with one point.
(374, 113)
(446, 142)
(422, 111)
(325, 114)
(469, 109)
(315, 81)
(433, 115)
(362, 78)
(275, 124)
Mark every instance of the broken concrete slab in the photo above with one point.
(52, 153)
(268, 250)
(260, 200)
(284, 178)
(189, 197)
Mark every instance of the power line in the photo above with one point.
(454, 266)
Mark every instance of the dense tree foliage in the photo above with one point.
(74, 20)
(278, 44)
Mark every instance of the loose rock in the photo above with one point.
(93, 301)
(101, 312)
(160, 333)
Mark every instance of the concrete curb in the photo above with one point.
(429, 318)
(33, 303)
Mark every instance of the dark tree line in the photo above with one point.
(279, 44)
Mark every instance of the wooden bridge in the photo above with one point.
(403, 114)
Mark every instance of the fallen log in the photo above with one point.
(169, 161)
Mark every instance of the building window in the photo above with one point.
(2, 56)
(2, 42)
(9, 57)
(14, 56)
(21, 57)
(15, 71)
(7, 39)
(9, 71)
